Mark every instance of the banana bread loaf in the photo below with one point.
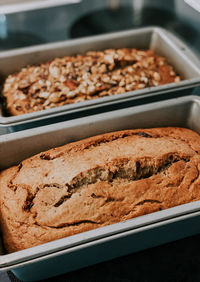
(97, 181)
(74, 79)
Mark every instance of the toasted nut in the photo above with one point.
(128, 58)
(91, 88)
(10, 79)
(122, 82)
(41, 82)
(105, 79)
(145, 64)
(156, 76)
(141, 53)
(48, 83)
(144, 79)
(54, 71)
(109, 59)
(130, 69)
(129, 87)
(43, 95)
(22, 96)
(62, 78)
(155, 83)
(177, 79)
(136, 78)
(54, 97)
(116, 77)
(102, 68)
(141, 85)
(79, 99)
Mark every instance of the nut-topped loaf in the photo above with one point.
(97, 181)
(73, 79)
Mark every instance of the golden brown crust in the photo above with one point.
(78, 78)
(98, 181)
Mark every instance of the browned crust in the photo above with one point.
(78, 78)
(97, 181)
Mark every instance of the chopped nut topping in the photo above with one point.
(73, 79)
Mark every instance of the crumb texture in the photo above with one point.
(97, 181)
(78, 78)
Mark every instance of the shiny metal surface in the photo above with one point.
(195, 4)
(13, 6)
(85, 18)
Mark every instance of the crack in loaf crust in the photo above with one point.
(78, 78)
(97, 181)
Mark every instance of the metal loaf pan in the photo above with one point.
(157, 39)
(118, 239)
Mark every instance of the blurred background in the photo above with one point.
(89, 17)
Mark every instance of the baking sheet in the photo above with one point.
(139, 233)
(158, 39)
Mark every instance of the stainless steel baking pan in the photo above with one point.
(160, 40)
(101, 244)
(13, 6)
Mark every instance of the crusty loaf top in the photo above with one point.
(96, 182)
(73, 79)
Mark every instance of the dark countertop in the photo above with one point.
(173, 262)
